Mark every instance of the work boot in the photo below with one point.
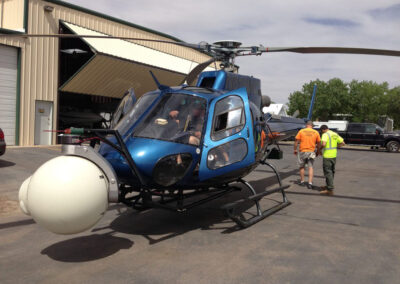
(326, 191)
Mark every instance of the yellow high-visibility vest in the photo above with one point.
(332, 139)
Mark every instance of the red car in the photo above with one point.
(2, 143)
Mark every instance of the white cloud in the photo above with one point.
(362, 23)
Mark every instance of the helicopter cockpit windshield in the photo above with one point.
(139, 108)
(176, 118)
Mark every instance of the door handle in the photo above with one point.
(248, 132)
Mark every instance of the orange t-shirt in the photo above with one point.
(308, 138)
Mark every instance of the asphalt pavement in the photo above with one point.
(351, 237)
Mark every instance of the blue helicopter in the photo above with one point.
(174, 148)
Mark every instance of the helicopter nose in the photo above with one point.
(66, 195)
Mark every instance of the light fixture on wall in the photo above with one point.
(48, 8)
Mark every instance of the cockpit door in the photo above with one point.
(228, 141)
(126, 104)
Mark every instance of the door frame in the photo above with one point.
(51, 103)
(246, 134)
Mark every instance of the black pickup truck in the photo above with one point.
(372, 135)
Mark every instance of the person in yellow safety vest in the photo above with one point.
(329, 142)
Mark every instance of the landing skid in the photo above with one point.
(232, 208)
(177, 201)
(144, 198)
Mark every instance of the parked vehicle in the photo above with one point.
(2, 143)
(339, 125)
(372, 135)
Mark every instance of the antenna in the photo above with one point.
(159, 86)
(312, 103)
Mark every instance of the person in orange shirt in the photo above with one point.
(310, 146)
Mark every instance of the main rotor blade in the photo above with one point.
(189, 79)
(346, 50)
(185, 44)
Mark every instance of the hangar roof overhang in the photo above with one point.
(118, 65)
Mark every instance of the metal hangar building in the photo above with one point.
(51, 83)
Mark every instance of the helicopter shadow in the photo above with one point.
(158, 225)
(87, 248)
(260, 184)
(380, 150)
(4, 163)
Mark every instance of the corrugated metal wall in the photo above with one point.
(12, 14)
(39, 56)
(111, 77)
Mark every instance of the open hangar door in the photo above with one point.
(77, 108)
(88, 111)
(95, 73)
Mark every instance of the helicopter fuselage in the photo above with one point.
(189, 137)
(174, 144)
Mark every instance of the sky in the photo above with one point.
(277, 23)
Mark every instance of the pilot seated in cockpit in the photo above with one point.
(192, 123)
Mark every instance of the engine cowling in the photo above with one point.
(265, 101)
(66, 195)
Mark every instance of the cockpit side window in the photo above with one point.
(227, 154)
(229, 117)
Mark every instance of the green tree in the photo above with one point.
(393, 105)
(368, 100)
(331, 98)
(365, 100)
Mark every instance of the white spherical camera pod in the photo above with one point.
(70, 193)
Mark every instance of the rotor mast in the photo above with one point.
(226, 51)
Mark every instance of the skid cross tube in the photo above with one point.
(175, 202)
(186, 207)
(264, 162)
(239, 219)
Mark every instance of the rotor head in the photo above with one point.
(227, 44)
